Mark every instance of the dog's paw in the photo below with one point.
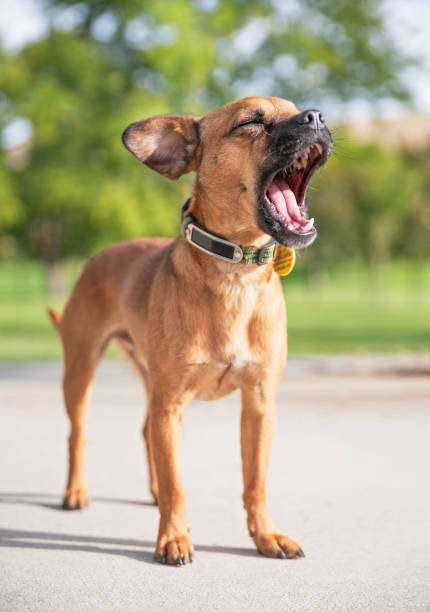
(175, 551)
(75, 499)
(277, 545)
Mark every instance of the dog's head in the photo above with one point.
(254, 159)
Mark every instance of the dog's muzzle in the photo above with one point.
(300, 145)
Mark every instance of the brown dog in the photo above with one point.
(201, 315)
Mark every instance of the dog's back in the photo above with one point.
(95, 300)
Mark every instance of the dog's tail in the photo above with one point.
(55, 318)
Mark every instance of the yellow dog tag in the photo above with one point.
(285, 260)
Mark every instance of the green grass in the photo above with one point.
(342, 324)
(26, 331)
(341, 313)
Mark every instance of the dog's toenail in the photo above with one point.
(281, 554)
(163, 559)
(300, 553)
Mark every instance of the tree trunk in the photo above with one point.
(56, 282)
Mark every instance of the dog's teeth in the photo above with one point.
(308, 225)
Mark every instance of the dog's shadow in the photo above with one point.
(41, 540)
(40, 499)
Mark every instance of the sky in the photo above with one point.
(407, 22)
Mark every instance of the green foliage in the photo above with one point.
(11, 210)
(366, 201)
(80, 190)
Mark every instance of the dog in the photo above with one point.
(204, 314)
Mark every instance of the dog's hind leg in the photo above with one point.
(81, 357)
(126, 345)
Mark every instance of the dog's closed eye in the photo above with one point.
(251, 122)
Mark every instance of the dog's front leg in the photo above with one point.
(257, 427)
(173, 544)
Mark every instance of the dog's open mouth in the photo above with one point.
(285, 192)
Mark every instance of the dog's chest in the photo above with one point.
(228, 351)
(231, 339)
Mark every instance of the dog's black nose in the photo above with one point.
(311, 117)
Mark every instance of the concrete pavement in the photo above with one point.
(348, 479)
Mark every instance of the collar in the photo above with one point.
(221, 248)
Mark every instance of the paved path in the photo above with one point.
(349, 479)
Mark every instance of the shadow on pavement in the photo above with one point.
(42, 540)
(38, 499)
(17, 538)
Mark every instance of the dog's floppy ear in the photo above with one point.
(165, 143)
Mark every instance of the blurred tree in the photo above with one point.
(207, 52)
(105, 63)
(369, 199)
(414, 238)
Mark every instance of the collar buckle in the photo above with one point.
(266, 253)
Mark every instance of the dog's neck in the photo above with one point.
(209, 268)
(231, 225)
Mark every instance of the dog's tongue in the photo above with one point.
(282, 201)
(283, 198)
(290, 199)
